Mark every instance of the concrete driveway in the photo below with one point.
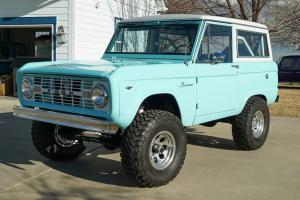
(214, 168)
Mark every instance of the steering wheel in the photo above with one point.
(183, 45)
(167, 42)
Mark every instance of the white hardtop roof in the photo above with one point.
(188, 17)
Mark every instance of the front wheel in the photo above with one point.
(55, 142)
(154, 148)
(250, 128)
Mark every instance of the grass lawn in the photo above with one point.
(289, 84)
(288, 105)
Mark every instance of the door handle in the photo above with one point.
(235, 66)
(267, 76)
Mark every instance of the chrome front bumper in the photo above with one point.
(74, 121)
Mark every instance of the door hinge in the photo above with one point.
(197, 106)
(196, 79)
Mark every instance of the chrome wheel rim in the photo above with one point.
(258, 124)
(62, 141)
(162, 150)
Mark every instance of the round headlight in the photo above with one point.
(99, 96)
(27, 90)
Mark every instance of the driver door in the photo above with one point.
(216, 75)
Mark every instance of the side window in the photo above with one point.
(216, 45)
(4, 52)
(290, 63)
(251, 44)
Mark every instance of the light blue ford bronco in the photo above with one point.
(158, 75)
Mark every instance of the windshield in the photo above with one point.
(154, 39)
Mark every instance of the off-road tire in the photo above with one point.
(242, 125)
(44, 142)
(136, 144)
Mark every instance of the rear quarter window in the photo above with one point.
(251, 44)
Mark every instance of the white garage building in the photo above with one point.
(63, 29)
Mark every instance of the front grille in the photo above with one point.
(61, 90)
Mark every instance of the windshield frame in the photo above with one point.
(154, 23)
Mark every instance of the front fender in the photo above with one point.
(133, 93)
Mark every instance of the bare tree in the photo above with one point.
(181, 6)
(242, 9)
(131, 8)
(282, 16)
(284, 23)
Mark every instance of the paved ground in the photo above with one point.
(214, 168)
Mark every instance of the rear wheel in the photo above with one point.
(154, 148)
(250, 128)
(56, 142)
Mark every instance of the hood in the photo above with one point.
(100, 68)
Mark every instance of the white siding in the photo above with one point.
(40, 8)
(94, 27)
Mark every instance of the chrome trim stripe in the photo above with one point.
(75, 121)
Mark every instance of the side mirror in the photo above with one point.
(218, 57)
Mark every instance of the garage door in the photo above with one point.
(24, 40)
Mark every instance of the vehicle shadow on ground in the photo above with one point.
(96, 164)
(15, 142)
(96, 167)
(198, 138)
(18, 153)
